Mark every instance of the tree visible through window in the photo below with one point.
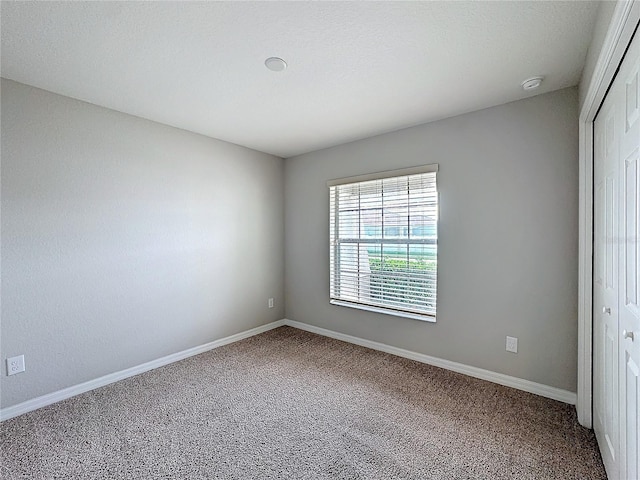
(384, 242)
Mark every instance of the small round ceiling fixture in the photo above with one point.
(275, 64)
(532, 83)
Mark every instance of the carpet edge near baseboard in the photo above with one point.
(68, 392)
(499, 378)
(547, 391)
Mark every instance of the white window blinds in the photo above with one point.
(384, 242)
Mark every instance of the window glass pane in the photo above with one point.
(384, 243)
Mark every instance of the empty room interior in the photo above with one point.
(350, 240)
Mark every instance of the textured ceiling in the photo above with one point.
(356, 69)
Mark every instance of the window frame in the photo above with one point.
(335, 270)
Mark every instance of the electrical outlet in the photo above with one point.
(270, 303)
(512, 344)
(15, 365)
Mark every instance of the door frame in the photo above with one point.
(623, 24)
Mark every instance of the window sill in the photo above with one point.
(385, 311)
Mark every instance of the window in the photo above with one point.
(384, 242)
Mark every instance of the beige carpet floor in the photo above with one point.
(288, 404)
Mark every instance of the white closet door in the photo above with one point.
(629, 234)
(605, 288)
(617, 271)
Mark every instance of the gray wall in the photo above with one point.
(603, 19)
(124, 240)
(508, 237)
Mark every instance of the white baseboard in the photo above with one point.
(50, 398)
(514, 382)
(499, 378)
